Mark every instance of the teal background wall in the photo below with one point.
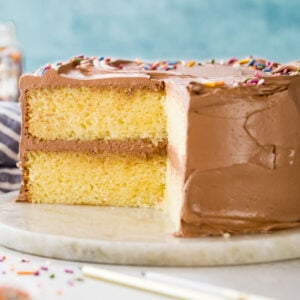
(52, 30)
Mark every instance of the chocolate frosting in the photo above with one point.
(241, 171)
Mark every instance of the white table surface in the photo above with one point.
(280, 280)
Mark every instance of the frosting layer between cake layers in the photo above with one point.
(233, 156)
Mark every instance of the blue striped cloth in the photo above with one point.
(9, 146)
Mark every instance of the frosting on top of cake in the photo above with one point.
(233, 72)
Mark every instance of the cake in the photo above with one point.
(215, 144)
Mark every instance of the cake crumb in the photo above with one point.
(226, 235)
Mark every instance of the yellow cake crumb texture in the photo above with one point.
(95, 179)
(85, 113)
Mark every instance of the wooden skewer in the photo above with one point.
(165, 287)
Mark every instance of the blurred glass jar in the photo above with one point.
(10, 63)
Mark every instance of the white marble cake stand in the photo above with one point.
(128, 236)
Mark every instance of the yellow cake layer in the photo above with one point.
(85, 113)
(95, 179)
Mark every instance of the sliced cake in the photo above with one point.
(214, 144)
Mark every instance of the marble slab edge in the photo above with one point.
(280, 247)
(163, 251)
